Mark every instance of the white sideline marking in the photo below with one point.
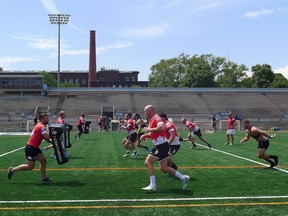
(12, 151)
(146, 200)
(243, 158)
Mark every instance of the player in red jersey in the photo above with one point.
(32, 150)
(156, 131)
(173, 139)
(80, 124)
(231, 129)
(129, 141)
(194, 130)
(60, 120)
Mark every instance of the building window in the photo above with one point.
(133, 79)
(127, 79)
(83, 81)
(77, 80)
(71, 80)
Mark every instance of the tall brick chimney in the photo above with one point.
(92, 58)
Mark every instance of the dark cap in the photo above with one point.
(163, 115)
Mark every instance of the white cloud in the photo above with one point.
(38, 42)
(172, 4)
(283, 71)
(116, 45)
(256, 14)
(283, 10)
(50, 6)
(6, 61)
(156, 30)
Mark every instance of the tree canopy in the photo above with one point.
(208, 70)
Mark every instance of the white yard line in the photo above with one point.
(243, 158)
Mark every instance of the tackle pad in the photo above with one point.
(59, 140)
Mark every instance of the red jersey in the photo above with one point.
(60, 121)
(131, 126)
(170, 126)
(160, 136)
(191, 126)
(231, 122)
(37, 135)
(80, 121)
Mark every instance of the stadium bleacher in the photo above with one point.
(258, 104)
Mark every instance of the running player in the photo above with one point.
(173, 139)
(139, 125)
(263, 143)
(194, 130)
(129, 141)
(80, 124)
(156, 131)
(32, 150)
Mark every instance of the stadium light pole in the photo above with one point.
(59, 19)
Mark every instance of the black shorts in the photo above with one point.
(198, 133)
(160, 151)
(263, 144)
(80, 128)
(132, 137)
(139, 135)
(31, 152)
(173, 149)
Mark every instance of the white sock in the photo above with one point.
(179, 175)
(152, 180)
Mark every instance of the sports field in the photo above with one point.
(226, 180)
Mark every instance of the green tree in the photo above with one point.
(263, 76)
(201, 71)
(168, 73)
(232, 75)
(49, 79)
(279, 81)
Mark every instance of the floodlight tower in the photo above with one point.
(59, 19)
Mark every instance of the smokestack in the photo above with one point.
(92, 58)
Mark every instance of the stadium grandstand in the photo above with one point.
(267, 107)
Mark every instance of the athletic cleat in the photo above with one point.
(231, 144)
(135, 154)
(226, 143)
(150, 188)
(276, 160)
(47, 179)
(126, 155)
(209, 146)
(185, 181)
(10, 173)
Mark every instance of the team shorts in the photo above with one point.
(31, 152)
(173, 149)
(231, 132)
(160, 151)
(198, 133)
(264, 144)
(139, 135)
(132, 137)
(80, 128)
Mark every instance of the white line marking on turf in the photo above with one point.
(243, 158)
(12, 151)
(146, 200)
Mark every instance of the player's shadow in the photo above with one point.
(63, 183)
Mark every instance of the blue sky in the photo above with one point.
(136, 34)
